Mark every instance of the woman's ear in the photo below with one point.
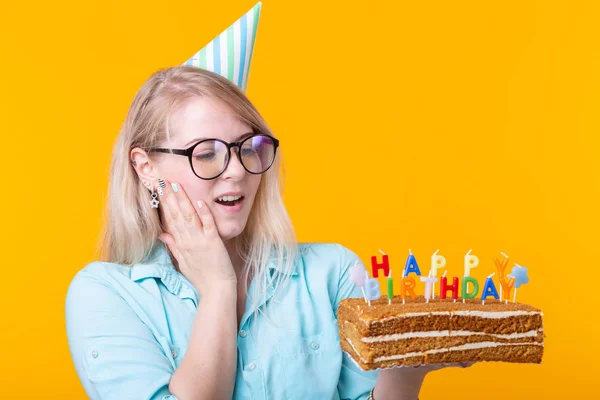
(143, 165)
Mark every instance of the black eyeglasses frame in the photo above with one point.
(189, 152)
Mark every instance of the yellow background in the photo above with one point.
(404, 124)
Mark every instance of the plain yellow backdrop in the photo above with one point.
(404, 124)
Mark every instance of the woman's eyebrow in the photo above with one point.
(245, 135)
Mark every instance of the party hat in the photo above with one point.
(230, 53)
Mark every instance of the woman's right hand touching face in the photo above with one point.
(192, 237)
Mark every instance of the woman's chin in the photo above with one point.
(229, 232)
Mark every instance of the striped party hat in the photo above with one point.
(230, 53)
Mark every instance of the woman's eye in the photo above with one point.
(204, 156)
(248, 151)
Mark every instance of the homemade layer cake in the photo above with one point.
(386, 335)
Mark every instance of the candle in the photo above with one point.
(437, 262)
(519, 274)
(411, 265)
(465, 288)
(489, 289)
(390, 287)
(358, 275)
(506, 286)
(385, 265)
(429, 282)
(471, 261)
(444, 287)
(373, 292)
(408, 285)
(501, 267)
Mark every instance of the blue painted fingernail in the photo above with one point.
(175, 187)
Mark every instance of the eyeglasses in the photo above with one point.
(209, 158)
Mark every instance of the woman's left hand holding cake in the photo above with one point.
(404, 383)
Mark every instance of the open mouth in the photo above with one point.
(229, 201)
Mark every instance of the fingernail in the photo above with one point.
(199, 203)
(175, 187)
(162, 183)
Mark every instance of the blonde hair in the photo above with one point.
(132, 226)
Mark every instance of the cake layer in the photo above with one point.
(373, 347)
(487, 351)
(380, 308)
(416, 315)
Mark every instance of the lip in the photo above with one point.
(230, 194)
(231, 209)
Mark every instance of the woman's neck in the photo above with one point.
(236, 259)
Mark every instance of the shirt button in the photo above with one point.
(251, 366)
(243, 333)
(95, 354)
(174, 353)
(314, 345)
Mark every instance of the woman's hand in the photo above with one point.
(435, 367)
(193, 239)
(405, 382)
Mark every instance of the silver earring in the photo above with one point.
(154, 202)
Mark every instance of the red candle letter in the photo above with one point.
(385, 265)
(444, 288)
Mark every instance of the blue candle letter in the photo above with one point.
(411, 265)
(372, 291)
(489, 289)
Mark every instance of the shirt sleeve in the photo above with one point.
(116, 356)
(354, 383)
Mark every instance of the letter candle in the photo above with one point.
(408, 285)
(444, 287)
(465, 288)
(437, 262)
(519, 275)
(390, 287)
(507, 286)
(385, 265)
(489, 289)
(429, 281)
(373, 292)
(471, 261)
(501, 267)
(357, 276)
(411, 265)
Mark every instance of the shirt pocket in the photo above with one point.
(311, 364)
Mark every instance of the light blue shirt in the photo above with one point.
(128, 329)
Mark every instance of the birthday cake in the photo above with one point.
(408, 330)
(385, 335)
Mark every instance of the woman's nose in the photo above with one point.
(234, 169)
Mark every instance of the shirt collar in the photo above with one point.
(158, 265)
(272, 265)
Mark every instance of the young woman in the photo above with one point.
(203, 292)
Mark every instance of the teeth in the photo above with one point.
(229, 198)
